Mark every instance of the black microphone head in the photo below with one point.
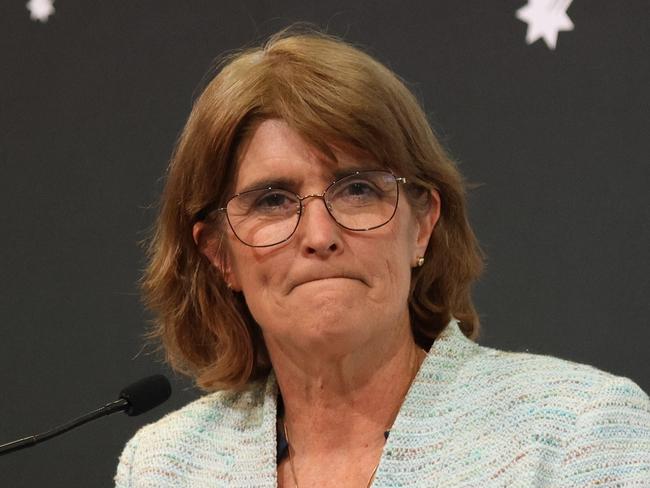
(146, 394)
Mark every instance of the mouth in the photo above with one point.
(314, 279)
(317, 280)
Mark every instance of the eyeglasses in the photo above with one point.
(361, 201)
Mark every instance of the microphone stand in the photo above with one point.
(109, 408)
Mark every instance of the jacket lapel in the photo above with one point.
(255, 458)
(425, 423)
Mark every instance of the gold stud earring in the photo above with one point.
(420, 261)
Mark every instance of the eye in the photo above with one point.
(356, 190)
(273, 202)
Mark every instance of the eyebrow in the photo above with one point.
(280, 183)
(292, 184)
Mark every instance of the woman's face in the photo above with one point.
(326, 287)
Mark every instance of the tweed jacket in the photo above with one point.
(473, 417)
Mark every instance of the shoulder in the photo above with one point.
(554, 419)
(593, 425)
(529, 396)
(548, 388)
(575, 417)
(219, 410)
(204, 432)
(542, 376)
(502, 374)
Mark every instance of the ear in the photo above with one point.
(209, 245)
(426, 221)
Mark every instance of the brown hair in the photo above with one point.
(328, 91)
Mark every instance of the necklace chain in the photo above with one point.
(293, 469)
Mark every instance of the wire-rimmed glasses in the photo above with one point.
(361, 201)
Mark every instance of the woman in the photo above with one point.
(311, 267)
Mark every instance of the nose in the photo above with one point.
(320, 235)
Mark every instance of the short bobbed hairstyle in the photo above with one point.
(332, 94)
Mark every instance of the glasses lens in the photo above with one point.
(263, 217)
(363, 201)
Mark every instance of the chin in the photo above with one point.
(337, 339)
(331, 309)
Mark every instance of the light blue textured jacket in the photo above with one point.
(474, 417)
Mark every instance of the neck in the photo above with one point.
(346, 402)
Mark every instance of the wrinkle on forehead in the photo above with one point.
(293, 151)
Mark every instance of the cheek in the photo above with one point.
(391, 270)
(259, 271)
(399, 270)
(257, 284)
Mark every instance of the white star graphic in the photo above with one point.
(545, 18)
(40, 9)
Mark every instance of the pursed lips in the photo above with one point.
(301, 280)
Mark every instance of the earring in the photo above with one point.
(420, 262)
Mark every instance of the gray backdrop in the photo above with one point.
(91, 102)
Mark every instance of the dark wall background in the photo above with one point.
(91, 103)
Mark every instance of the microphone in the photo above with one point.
(137, 398)
(145, 394)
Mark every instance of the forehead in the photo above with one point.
(276, 152)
